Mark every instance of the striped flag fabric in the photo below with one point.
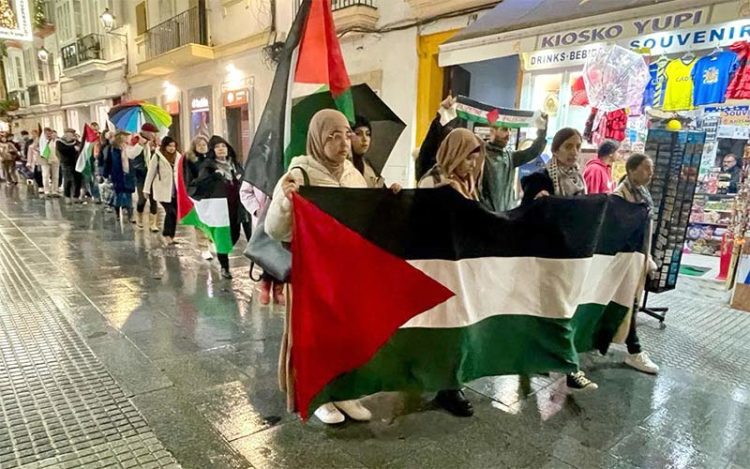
(90, 139)
(45, 146)
(310, 62)
(485, 114)
(441, 292)
(204, 206)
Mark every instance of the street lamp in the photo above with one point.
(108, 20)
(43, 55)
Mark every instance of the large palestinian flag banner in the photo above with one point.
(310, 62)
(425, 290)
(203, 204)
(485, 114)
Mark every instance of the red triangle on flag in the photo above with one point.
(350, 297)
(493, 116)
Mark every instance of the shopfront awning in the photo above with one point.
(512, 26)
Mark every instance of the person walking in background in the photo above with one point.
(67, 150)
(255, 202)
(221, 167)
(192, 164)
(139, 152)
(33, 160)
(123, 181)
(8, 156)
(160, 184)
(598, 171)
(50, 163)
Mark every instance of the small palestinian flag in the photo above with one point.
(311, 62)
(204, 205)
(441, 292)
(90, 139)
(45, 146)
(480, 113)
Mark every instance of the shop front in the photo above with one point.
(697, 57)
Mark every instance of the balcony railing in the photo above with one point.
(189, 27)
(85, 48)
(341, 4)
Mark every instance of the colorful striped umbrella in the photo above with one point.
(130, 116)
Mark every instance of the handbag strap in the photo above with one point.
(305, 176)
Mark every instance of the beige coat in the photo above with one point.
(279, 226)
(279, 216)
(160, 178)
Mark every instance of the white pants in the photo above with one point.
(51, 177)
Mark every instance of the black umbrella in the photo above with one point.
(386, 125)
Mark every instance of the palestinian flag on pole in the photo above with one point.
(90, 139)
(441, 292)
(204, 206)
(485, 114)
(45, 146)
(310, 62)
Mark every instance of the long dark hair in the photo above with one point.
(165, 143)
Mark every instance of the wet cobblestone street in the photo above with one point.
(118, 352)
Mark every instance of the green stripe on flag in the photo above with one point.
(220, 236)
(425, 359)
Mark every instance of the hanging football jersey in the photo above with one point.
(678, 95)
(711, 76)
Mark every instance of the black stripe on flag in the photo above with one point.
(488, 108)
(440, 224)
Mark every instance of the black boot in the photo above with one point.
(454, 402)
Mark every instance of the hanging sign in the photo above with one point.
(15, 20)
(667, 42)
(615, 32)
(172, 107)
(235, 98)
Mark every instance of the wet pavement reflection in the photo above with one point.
(196, 355)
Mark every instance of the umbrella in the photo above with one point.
(615, 78)
(386, 125)
(130, 116)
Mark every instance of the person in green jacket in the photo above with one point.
(497, 193)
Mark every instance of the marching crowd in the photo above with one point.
(123, 165)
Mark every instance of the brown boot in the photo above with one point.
(139, 220)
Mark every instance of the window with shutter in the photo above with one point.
(141, 18)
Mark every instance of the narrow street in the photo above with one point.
(117, 352)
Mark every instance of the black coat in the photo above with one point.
(435, 135)
(67, 153)
(535, 183)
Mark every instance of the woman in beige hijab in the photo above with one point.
(326, 164)
(460, 160)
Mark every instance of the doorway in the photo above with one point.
(238, 129)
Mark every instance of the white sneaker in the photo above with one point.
(329, 414)
(355, 410)
(641, 362)
(207, 255)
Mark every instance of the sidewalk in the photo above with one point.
(108, 340)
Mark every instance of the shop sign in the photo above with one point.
(235, 98)
(199, 104)
(200, 111)
(731, 115)
(172, 107)
(671, 42)
(617, 31)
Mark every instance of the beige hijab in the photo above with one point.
(456, 147)
(322, 125)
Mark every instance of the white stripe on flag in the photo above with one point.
(548, 288)
(212, 212)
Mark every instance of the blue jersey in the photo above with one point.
(711, 76)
